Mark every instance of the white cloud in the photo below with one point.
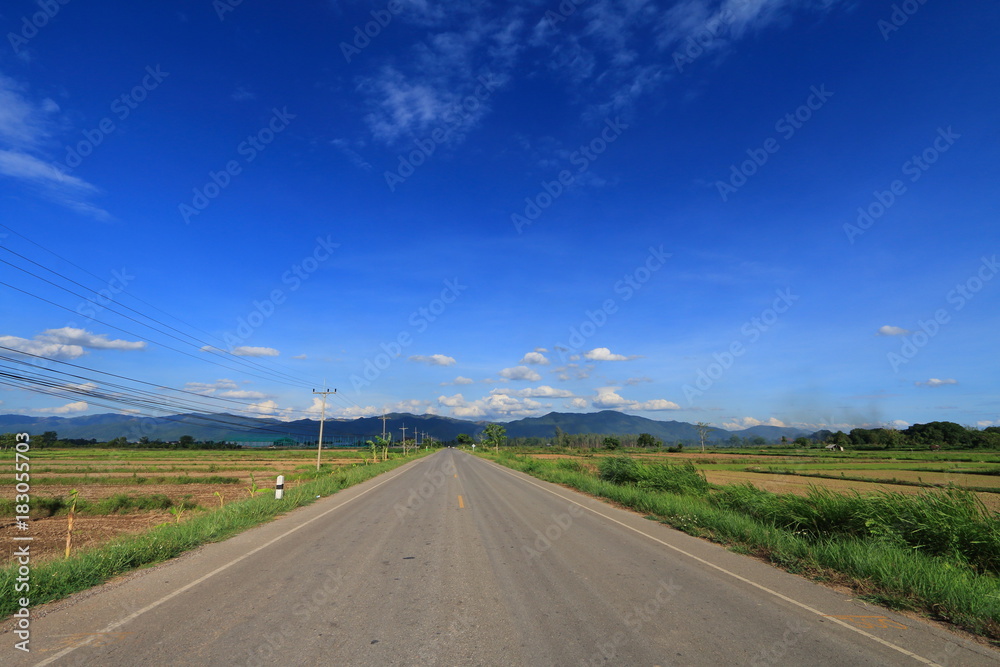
(67, 343)
(353, 411)
(300, 356)
(543, 391)
(206, 388)
(30, 168)
(414, 406)
(608, 399)
(84, 387)
(580, 403)
(69, 408)
(888, 330)
(42, 349)
(637, 380)
(270, 408)
(266, 408)
(520, 373)
(536, 358)
(572, 372)
(604, 354)
(935, 382)
(243, 393)
(248, 351)
(86, 339)
(494, 406)
(434, 359)
(655, 405)
(540, 349)
(458, 380)
(739, 423)
(985, 423)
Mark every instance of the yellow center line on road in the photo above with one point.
(461, 503)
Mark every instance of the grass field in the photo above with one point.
(126, 492)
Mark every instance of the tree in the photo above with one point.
(186, 441)
(493, 434)
(611, 442)
(758, 441)
(702, 432)
(647, 440)
(48, 439)
(802, 441)
(464, 439)
(734, 440)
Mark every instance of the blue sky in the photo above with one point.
(738, 212)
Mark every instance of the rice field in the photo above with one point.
(191, 481)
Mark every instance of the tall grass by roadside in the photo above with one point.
(938, 552)
(683, 478)
(55, 579)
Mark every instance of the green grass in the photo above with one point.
(120, 503)
(55, 579)
(938, 552)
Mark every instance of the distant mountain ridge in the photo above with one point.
(218, 427)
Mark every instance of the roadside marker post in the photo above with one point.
(279, 488)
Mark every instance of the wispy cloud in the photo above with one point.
(935, 382)
(26, 129)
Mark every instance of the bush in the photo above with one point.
(683, 478)
(619, 470)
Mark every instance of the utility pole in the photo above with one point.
(383, 418)
(322, 418)
(404, 439)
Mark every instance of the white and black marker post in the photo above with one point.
(279, 488)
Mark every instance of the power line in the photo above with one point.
(206, 346)
(124, 292)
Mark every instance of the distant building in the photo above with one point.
(834, 447)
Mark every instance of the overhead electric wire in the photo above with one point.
(134, 397)
(205, 344)
(130, 333)
(224, 399)
(276, 376)
(212, 349)
(209, 421)
(130, 295)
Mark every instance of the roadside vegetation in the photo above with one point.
(935, 551)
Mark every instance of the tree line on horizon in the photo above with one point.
(945, 435)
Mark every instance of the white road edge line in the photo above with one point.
(136, 614)
(725, 571)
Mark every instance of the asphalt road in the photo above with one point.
(453, 560)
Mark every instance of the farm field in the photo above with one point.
(163, 480)
(902, 475)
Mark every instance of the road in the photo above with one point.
(453, 560)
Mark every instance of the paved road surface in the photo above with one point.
(453, 560)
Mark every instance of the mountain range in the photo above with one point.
(103, 427)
